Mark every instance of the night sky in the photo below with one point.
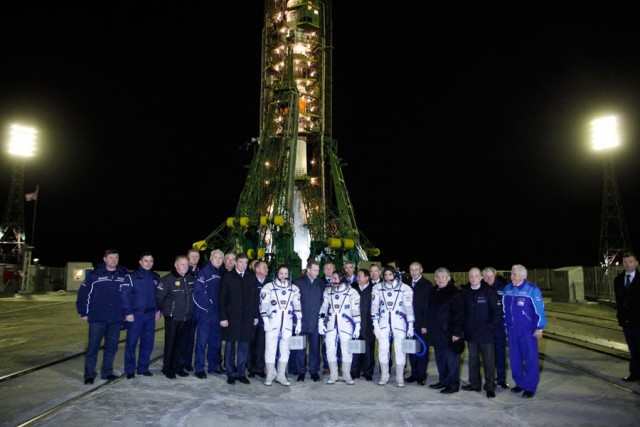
(465, 128)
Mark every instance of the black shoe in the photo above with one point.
(315, 377)
(631, 378)
(231, 381)
(437, 385)
(244, 380)
(189, 368)
(262, 374)
(129, 376)
(252, 375)
(182, 373)
(503, 384)
(448, 390)
(528, 394)
(469, 387)
(88, 380)
(421, 381)
(368, 377)
(147, 374)
(215, 371)
(300, 377)
(410, 379)
(170, 375)
(355, 376)
(201, 375)
(111, 377)
(491, 394)
(517, 389)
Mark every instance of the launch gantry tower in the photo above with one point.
(295, 205)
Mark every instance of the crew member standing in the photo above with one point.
(364, 364)
(98, 303)
(175, 301)
(627, 289)
(238, 317)
(311, 291)
(392, 316)
(339, 321)
(524, 320)
(421, 292)
(480, 308)
(141, 311)
(205, 297)
(280, 311)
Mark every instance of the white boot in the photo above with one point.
(333, 373)
(400, 375)
(282, 377)
(346, 373)
(271, 373)
(384, 378)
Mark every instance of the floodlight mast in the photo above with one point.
(22, 140)
(614, 235)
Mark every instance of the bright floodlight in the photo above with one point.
(604, 133)
(22, 141)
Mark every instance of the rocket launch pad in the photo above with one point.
(295, 205)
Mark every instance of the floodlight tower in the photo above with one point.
(12, 232)
(614, 235)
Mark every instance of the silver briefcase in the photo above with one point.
(297, 342)
(410, 346)
(356, 347)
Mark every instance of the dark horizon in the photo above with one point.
(482, 116)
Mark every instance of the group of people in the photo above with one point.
(340, 316)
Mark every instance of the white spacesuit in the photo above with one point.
(279, 303)
(340, 322)
(392, 316)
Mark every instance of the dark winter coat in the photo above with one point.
(238, 305)
(444, 315)
(481, 312)
(366, 324)
(174, 295)
(421, 294)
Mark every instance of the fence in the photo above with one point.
(598, 281)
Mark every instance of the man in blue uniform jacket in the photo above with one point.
(524, 320)
(98, 304)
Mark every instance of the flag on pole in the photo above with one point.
(31, 196)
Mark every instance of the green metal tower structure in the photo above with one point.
(295, 205)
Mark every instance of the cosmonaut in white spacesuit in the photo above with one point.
(280, 311)
(392, 315)
(339, 322)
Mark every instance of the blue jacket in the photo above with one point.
(138, 293)
(205, 292)
(311, 301)
(523, 307)
(99, 295)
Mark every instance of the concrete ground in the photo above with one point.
(34, 329)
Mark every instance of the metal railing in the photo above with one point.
(598, 281)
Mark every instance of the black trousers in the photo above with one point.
(364, 363)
